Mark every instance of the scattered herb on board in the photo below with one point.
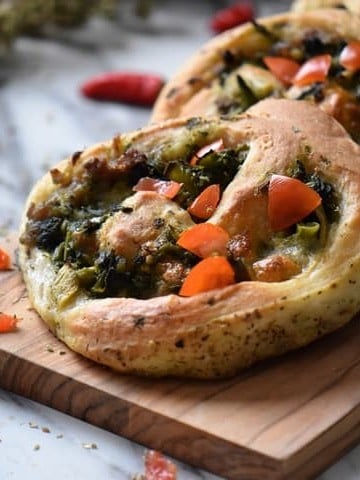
(90, 446)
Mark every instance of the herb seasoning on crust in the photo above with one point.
(198, 247)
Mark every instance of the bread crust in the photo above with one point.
(304, 5)
(218, 333)
(190, 90)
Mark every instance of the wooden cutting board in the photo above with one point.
(285, 419)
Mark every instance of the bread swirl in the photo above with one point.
(109, 289)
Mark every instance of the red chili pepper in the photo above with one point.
(127, 87)
(232, 16)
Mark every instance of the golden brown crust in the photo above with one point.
(189, 92)
(220, 332)
(304, 5)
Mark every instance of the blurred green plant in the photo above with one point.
(29, 17)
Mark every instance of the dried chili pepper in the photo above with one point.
(127, 87)
(232, 16)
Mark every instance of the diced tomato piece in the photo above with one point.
(208, 274)
(290, 201)
(205, 204)
(8, 323)
(5, 261)
(314, 70)
(157, 467)
(284, 69)
(231, 16)
(216, 146)
(168, 188)
(204, 239)
(350, 56)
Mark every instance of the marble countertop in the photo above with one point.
(44, 118)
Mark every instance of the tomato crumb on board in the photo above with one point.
(8, 323)
(126, 87)
(236, 14)
(157, 467)
(5, 261)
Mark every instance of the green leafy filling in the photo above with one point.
(67, 224)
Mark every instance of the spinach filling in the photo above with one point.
(236, 97)
(66, 226)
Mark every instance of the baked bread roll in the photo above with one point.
(291, 55)
(303, 5)
(126, 271)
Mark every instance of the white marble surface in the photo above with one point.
(42, 119)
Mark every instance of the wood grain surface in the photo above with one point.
(288, 418)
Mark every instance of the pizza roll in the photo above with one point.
(311, 56)
(303, 5)
(132, 265)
